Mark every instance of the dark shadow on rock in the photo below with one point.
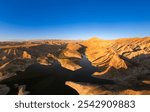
(136, 83)
(39, 80)
(50, 80)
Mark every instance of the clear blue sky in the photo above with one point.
(73, 19)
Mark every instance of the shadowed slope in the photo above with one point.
(51, 79)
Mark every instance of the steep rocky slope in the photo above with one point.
(119, 59)
(124, 61)
(16, 57)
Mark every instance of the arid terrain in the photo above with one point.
(68, 67)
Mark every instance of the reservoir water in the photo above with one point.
(50, 80)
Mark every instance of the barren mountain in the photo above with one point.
(93, 66)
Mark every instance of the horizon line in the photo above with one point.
(40, 39)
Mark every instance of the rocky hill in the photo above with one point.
(83, 64)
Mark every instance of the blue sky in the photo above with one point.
(73, 19)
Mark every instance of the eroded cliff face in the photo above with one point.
(119, 59)
(70, 56)
(125, 61)
(16, 57)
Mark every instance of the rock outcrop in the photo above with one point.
(69, 58)
(69, 64)
(44, 60)
(26, 55)
(90, 89)
(124, 61)
(119, 59)
(22, 91)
